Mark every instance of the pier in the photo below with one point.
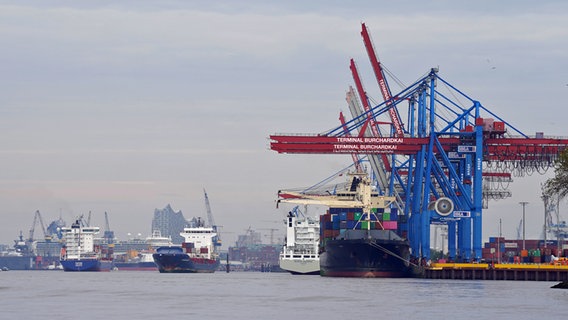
(502, 271)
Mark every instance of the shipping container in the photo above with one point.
(390, 225)
(335, 225)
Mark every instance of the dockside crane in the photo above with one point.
(382, 82)
(448, 150)
(380, 164)
(216, 239)
(108, 235)
(38, 218)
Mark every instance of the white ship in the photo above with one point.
(300, 252)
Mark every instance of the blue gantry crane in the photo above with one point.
(438, 160)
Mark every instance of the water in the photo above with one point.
(242, 295)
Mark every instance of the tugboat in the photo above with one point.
(197, 253)
(299, 254)
(79, 252)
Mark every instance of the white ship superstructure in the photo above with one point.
(300, 253)
(79, 241)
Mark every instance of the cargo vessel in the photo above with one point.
(79, 252)
(197, 253)
(299, 254)
(143, 260)
(358, 234)
(20, 257)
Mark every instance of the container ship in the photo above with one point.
(300, 253)
(197, 253)
(358, 234)
(80, 252)
(143, 260)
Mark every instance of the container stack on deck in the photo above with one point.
(337, 220)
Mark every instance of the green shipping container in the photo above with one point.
(386, 216)
(357, 216)
(364, 225)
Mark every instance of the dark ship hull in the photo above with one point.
(363, 253)
(17, 262)
(175, 260)
(370, 258)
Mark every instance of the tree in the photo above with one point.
(558, 185)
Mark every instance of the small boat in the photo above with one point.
(79, 252)
(197, 253)
(299, 254)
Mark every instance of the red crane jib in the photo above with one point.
(497, 149)
(381, 80)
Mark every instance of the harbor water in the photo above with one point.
(254, 295)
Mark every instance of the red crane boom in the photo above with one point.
(383, 85)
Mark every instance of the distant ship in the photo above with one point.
(79, 252)
(197, 253)
(143, 260)
(358, 235)
(30, 254)
(20, 257)
(300, 252)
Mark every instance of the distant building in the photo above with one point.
(171, 223)
(253, 255)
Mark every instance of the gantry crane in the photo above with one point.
(108, 234)
(217, 238)
(37, 217)
(448, 150)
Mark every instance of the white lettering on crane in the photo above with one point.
(370, 140)
(392, 112)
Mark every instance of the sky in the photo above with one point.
(128, 106)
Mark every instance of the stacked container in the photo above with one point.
(337, 220)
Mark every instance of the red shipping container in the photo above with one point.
(499, 126)
(350, 216)
(479, 121)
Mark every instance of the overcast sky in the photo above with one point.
(128, 107)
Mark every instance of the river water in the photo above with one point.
(247, 295)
